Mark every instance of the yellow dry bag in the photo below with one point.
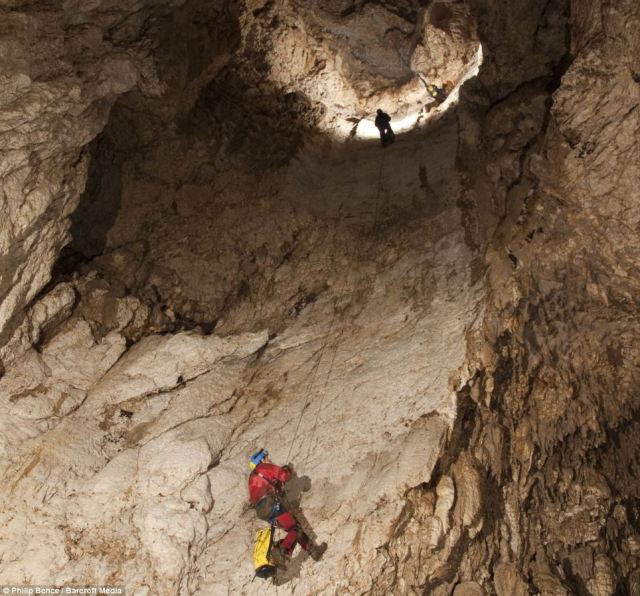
(262, 561)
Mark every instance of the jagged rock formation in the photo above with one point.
(440, 334)
(544, 460)
(62, 70)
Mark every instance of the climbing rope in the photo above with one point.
(316, 366)
(314, 373)
(322, 394)
(342, 327)
(376, 206)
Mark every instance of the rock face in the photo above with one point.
(62, 70)
(440, 334)
(166, 426)
(546, 425)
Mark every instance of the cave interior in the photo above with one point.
(207, 250)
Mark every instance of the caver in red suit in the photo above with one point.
(267, 478)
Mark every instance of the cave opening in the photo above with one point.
(282, 125)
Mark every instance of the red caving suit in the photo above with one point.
(269, 478)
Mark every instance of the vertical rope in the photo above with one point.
(314, 373)
(342, 328)
(316, 366)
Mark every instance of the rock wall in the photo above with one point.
(62, 71)
(63, 68)
(543, 462)
(222, 292)
(321, 297)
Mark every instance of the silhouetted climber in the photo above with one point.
(383, 124)
(266, 493)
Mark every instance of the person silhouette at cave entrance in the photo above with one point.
(383, 124)
(268, 484)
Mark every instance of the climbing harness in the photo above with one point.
(269, 507)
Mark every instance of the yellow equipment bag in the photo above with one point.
(262, 560)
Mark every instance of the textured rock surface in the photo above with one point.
(548, 421)
(166, 431)
(62, 70)
(441, 335)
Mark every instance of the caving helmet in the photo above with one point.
(257, 458)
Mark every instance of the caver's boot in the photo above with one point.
(317, 550)
(279, 556)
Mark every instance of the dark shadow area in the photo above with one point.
(211, 121)
(260, 130)
(100, 202)
(294, 488)
(293, 491)
(355, 188)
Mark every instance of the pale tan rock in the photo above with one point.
(160, 363)
(167, 465)
(469, 588)
(603, 581)
(128, 462)
(508, 581)
(54, 307)
(168, 531)
(446, 495)
(40, 389)
(432, 527)
(467, 483)
(198, 493)
(51, 310)
(108, 495)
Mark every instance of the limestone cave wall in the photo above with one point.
(546, 424)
